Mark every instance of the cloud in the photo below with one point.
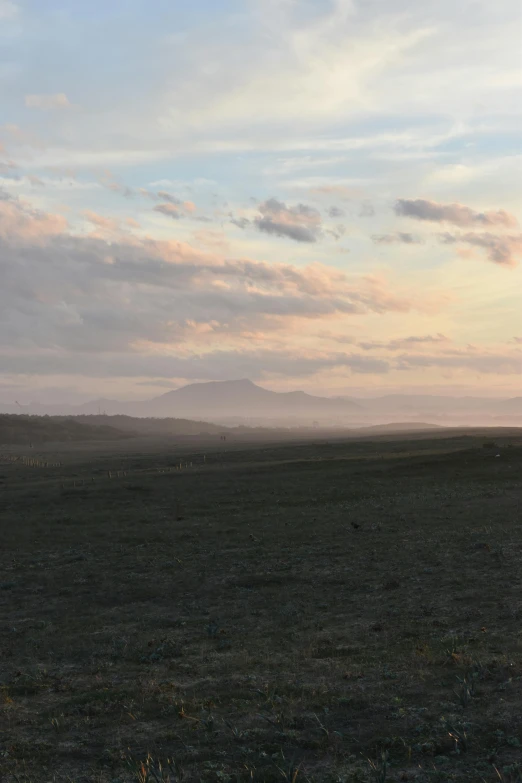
(175, 210)
(458, 214)
(170, 210)
(216, 365)
(223, 364)
(172, 207)
(19, 222)
(106, 179)
(502, 249)
(77, 304)
(367, 210)
(337, 232)
(335, 212)
(399, 237)
(74, 294)
(57, 100)
(240, 222)
(487, 363)
(400, 343)
(103, 224)
(169, 197)
(301, 223)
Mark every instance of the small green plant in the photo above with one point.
(465, 690)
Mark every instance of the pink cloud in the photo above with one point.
(20, 222)
(102, 223)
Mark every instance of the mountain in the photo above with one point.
(234, 402)
(243, 402)
(244, 399)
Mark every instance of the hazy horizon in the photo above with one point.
(55, 397)
(320, 196)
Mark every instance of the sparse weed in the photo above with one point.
(289, 773)
(460, 740)
(465, 690)
(154, 771)
(379, 767)
(511, 773)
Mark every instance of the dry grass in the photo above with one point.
(339, 612)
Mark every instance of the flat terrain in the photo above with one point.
(344, 612)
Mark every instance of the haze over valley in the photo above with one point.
(245, 403)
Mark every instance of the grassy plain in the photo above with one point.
(345, 612)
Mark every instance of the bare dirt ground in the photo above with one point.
(344, 612)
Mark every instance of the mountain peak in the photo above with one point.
(240, 382)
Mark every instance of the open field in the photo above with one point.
(345, 612)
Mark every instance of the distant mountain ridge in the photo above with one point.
(216, 400)
(242, 401)
(242, 397)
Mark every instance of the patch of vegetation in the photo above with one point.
(25, 429)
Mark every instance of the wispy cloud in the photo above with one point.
(458, 214)
(484, 362)
(398, 237)
(399, 343)
(175, 210)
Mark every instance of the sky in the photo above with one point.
(313, 194)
